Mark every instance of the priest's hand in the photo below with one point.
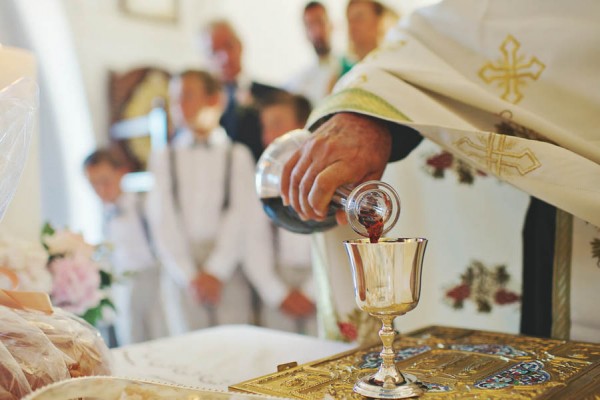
(347, 149)
(297, 305)
(207, 288)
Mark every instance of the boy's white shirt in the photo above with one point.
(238, 234)
(125, 232)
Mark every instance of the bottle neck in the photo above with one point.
(368, 204)
(340, 196)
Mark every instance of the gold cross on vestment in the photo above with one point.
(512, 70)
(496, 153)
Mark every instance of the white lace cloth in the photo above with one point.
(217, 357)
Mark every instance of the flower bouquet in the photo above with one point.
(80, 274)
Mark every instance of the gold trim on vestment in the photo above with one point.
(561, 276)
(358, 100)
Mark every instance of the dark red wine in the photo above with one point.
(373, 223)
(287, 218)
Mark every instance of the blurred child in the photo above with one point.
(205, 211)
(139, 316)
(279, 114)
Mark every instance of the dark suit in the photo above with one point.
(242, 123)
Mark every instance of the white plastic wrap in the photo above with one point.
(37, 349)
(18, 105)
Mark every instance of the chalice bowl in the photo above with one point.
(387, 284)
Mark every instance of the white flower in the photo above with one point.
(28, 261)
(65, 242)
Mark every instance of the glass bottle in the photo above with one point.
(372, 208)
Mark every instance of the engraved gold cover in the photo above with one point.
(454, 364)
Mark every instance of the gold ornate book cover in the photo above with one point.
(452, 363)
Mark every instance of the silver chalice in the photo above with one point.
(387, 283)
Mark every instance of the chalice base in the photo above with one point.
(369, 387)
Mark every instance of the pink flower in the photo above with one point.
(76, 285)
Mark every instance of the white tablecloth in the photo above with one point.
(218, 357)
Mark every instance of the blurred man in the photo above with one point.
(223, 48)
(280, 114)
(314, 81)
(139, 316)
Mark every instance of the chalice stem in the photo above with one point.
(388, 374)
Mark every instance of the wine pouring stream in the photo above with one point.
(386, 272)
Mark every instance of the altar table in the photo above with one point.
(218, 357)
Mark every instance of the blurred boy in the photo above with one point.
(205, 211)
(139, 317)
(281, 113)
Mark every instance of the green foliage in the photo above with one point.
(106, 279)
(47, 230)
(94, 315)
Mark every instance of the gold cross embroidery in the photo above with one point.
(495, 153)
(512, 70)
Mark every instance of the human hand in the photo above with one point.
(206, 288)
(347, 149)
(297, 305)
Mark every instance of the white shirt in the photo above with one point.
(237, 232)
(314, 82)
(125, 231)
(294, 252)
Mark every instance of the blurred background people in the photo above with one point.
(223, 49)
(139, 317)
(281, 113)
(314, 81)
